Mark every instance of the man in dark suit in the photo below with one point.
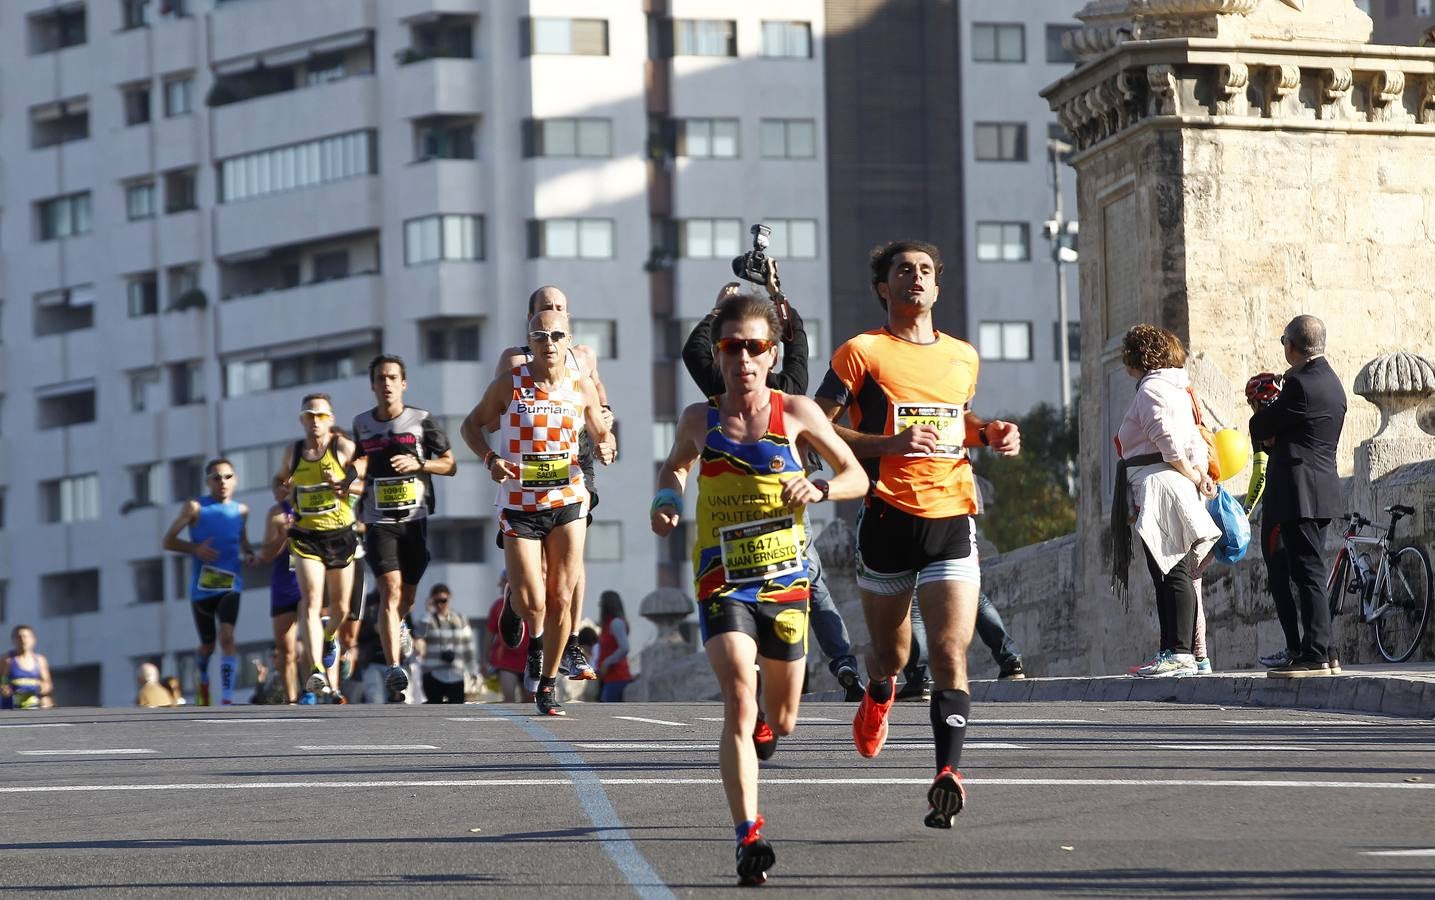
(1302, 495)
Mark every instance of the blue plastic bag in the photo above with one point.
(1235, 528)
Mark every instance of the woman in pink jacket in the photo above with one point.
(1161, 486)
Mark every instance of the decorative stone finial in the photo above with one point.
(666, 608)
(1399, 384)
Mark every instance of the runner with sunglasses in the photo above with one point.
(750, 572)
(539, 409)
(580, 360)
(219, 548)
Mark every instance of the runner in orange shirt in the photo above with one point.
(907, 389)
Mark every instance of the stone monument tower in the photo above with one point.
(1239, 162)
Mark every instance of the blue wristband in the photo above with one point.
(667, 497)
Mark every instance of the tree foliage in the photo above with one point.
(1033, 501)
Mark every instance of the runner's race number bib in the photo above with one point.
(215, 579)
(757, 551)
(395, 494)
(544, 471)
(948, 419)
(315, 499)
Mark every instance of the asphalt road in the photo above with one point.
(1066, 800)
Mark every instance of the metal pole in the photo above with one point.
(1054, 150)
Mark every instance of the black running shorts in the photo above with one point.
(401, 546)
(334, 548)
(535, 526)
(224, 607)
(778, 629)
(897, 550)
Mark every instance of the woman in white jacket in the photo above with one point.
(1161, 486)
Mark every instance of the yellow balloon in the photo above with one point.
(1233, 451)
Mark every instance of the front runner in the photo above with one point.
(539, 408)
(748, 562)
(322, 539)
(398, 450)
(219, 548)
(907, 389)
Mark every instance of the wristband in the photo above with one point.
(666, 497)
(982, 433)
(822, 485)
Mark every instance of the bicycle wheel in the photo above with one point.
(1405, 608)
(1339, 580)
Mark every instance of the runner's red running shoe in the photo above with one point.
(947, 797)
(764, 740)
(869, 726)
(754, 857)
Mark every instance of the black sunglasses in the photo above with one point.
(544, 337)
(221, 476)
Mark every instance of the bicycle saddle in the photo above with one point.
(1399, 511)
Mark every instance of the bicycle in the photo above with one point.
(1394, 590)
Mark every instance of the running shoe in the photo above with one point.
(754, 857)
(1334, 661)
(307, 699)
(331, 644)
(533, 669)
(510, 626)
(1011, 670)
(1137, 669)
(916, 689)
(1170, 665)
(346, 667)
(1279, 658)
(947, 797)
(202, 695)
(575, 663)
(869, 726)
(764, 740)
(1302, 667)
(547, 697)
(396, 681)
(406, 642)
(851, 683)
(317, 683)
(1203, 665)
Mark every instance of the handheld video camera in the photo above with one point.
(756, 266)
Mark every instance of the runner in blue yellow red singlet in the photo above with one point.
(748, 559)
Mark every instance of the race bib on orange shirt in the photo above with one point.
(948, 419)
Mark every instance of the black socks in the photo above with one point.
(950, 709)
(881, 690)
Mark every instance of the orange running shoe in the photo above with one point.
(764, 740)
(869, 726)
(947, 796)
(754, 857)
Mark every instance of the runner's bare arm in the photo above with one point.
(598, 424)
(509, 360)
(173, 542)
(485, 417)
(276, 534)
(849, 480)
(1003, 437)
(588, 365)
(246, 549)
(917, 439)
(673, 474)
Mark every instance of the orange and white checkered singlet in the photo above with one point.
(539, 434)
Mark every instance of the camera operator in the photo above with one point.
(451, 652)
(827, 624)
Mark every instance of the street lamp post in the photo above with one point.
(1059, 230)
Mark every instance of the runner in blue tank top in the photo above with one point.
(220, 549)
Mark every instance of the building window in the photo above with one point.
(147, 576)
(445, 137)
(1004, 340)
(446, 237)
(144, 390)
(67, 309)
(72, 499)
(186, 480)
(569, 37)
(70, 593)
(447, 37)
(2, 528)
(59, 122)
(57, 29)
(65, 406)
(1003, 242)
(604, 542)
(787, 40)
(136, 102)
(1000, 141)
(571, 239)
(569, 137)
(1073, 341)
(600, 334)
(186, 383)
(1055, 52)
(134, 14)
(707, 138)
(178, 95)
(257, 374)
(330, 265)
(789, 138)
(139, 200)
(998, 43)
(664, 434)
(297, 166)
(704, 37)
(458, 540)
(146, 485)
(63, 217)
(792, 238)
(450, 339)
(180, 190)
(142, 295)
(255, 465)
(710, 238)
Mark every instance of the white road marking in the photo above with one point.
(344, 748)
(891, 745)
(1428, 851)
(711, 719)
(805, 719)
(41, 725)
(767, 782)
(980, 722)
(1226, 748)
(1289, 722)
(652, 721)
(130, 750)
(236, 720)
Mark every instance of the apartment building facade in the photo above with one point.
(209, 208)
(1399, 21)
